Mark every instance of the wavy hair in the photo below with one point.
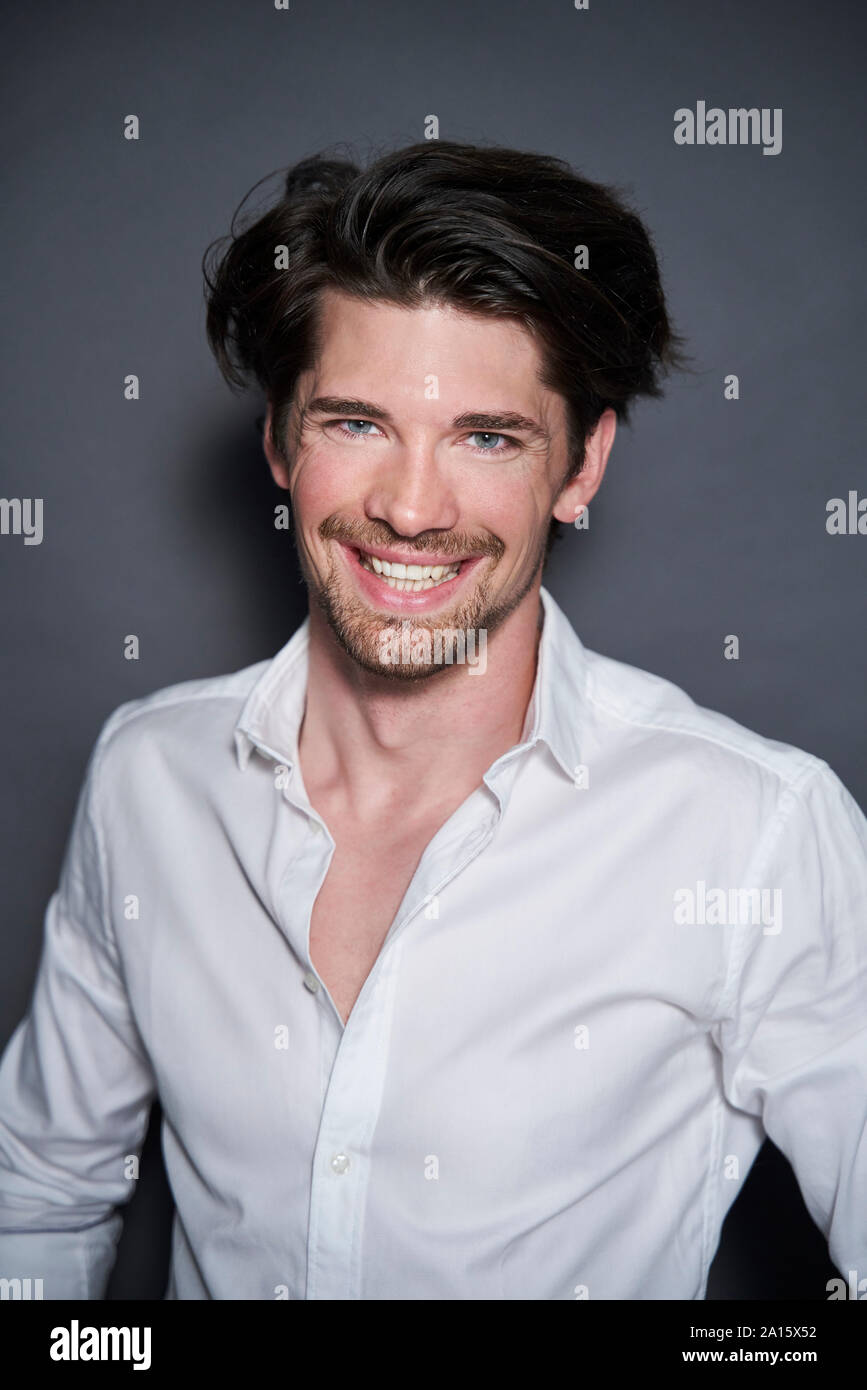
(485, 229)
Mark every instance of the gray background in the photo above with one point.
(158, 513)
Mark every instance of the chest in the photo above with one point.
(357, 903)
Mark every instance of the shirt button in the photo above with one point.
(311, 982)
(340, 1163)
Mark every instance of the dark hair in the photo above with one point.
(488, 230)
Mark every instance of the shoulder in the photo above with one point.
(193, 716)
(657, 717)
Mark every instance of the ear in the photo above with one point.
(276, 462)
(578, 492)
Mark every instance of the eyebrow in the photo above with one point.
(350, 408)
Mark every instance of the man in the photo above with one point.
(466, 963)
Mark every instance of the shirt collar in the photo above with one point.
(271, 717)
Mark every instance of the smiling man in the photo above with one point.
(407, 956)
(414, 507)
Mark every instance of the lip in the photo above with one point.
(408, 557)
(399, 600)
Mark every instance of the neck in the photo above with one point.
(372, 747)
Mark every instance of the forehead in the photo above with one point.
(368, 348)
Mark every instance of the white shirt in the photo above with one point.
(551, 1086)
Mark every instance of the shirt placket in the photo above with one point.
(343, 1157)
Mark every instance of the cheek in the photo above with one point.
(319, 484)
(515, 509)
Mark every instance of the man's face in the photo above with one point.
(399, 466)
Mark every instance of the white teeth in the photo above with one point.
(409, 578)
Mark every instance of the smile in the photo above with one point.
(400, 584)
(409, 578)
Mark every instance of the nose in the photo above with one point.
(413, 490)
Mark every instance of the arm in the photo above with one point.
(794, 1042)
(75, 1087)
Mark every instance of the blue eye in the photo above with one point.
(489, 434)
(341, 423)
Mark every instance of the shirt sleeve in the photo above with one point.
(75, 1087)
(794, 1039)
